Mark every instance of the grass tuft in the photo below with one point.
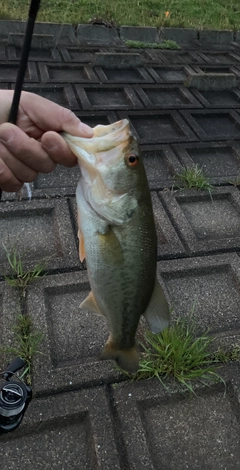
(167, 44)
(235, 182)
(21, 278)
(25, 345)
(211, 14)
(193, 177)
(180, 352)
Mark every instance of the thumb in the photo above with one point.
(70, 123)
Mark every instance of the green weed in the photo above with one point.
(182, 353)
(167, 44)
(25, 344)
(193, 177)
(228, 355)
(21, 278)
(235, 182)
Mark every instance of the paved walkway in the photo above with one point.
(83, 415)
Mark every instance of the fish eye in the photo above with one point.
(132, 160)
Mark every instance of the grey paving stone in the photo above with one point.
(237, 36)
(169, 245)
(162, 429)
(66, 73)
(176, 57)
(108, 97)
(8, 72)
(9, 309)
(184, 36)
(63, 33)
(40, 229)
(220, 57)
(216, 69)
(212, 82)
(73, 338)
(38, 54)
(206, 224)
(237, 72)
(161, 165)
(216, 37)
(220, 162)
(71, 430)
(38, 40)
(171, 74)
(209, 287)
(79, 54)
(214, 125)
(61, 94)
(158, 127)
(225, 98)
(123, 75)
(97, 117)
(97, 34)
(144, 53)
(166, 97)
(138, 33)
(118, 59)
(61, 182)
(3, 55)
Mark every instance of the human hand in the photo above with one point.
(34, 145)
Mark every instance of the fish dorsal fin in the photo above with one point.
(90, 304)
(157, 312)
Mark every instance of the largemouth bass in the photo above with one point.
(117, 237)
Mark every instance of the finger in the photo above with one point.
(27, 150)
(21, 171)
(8, 181)
(57, 148)
(49, 115)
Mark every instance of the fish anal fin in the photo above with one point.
(90, 304)
(110, 246)
(127, 359)
(157, 312)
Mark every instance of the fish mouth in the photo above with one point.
(97, 149)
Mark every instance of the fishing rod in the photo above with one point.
(32, 14)
(15, 395)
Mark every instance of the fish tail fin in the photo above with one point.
(127, 359)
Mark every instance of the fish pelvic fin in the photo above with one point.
(157, 312)
(90, 304)
(127, 359)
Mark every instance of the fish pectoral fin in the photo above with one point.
(157, 312)
(90, 304)
(82, 254)
(110, 246)
(127, 359)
